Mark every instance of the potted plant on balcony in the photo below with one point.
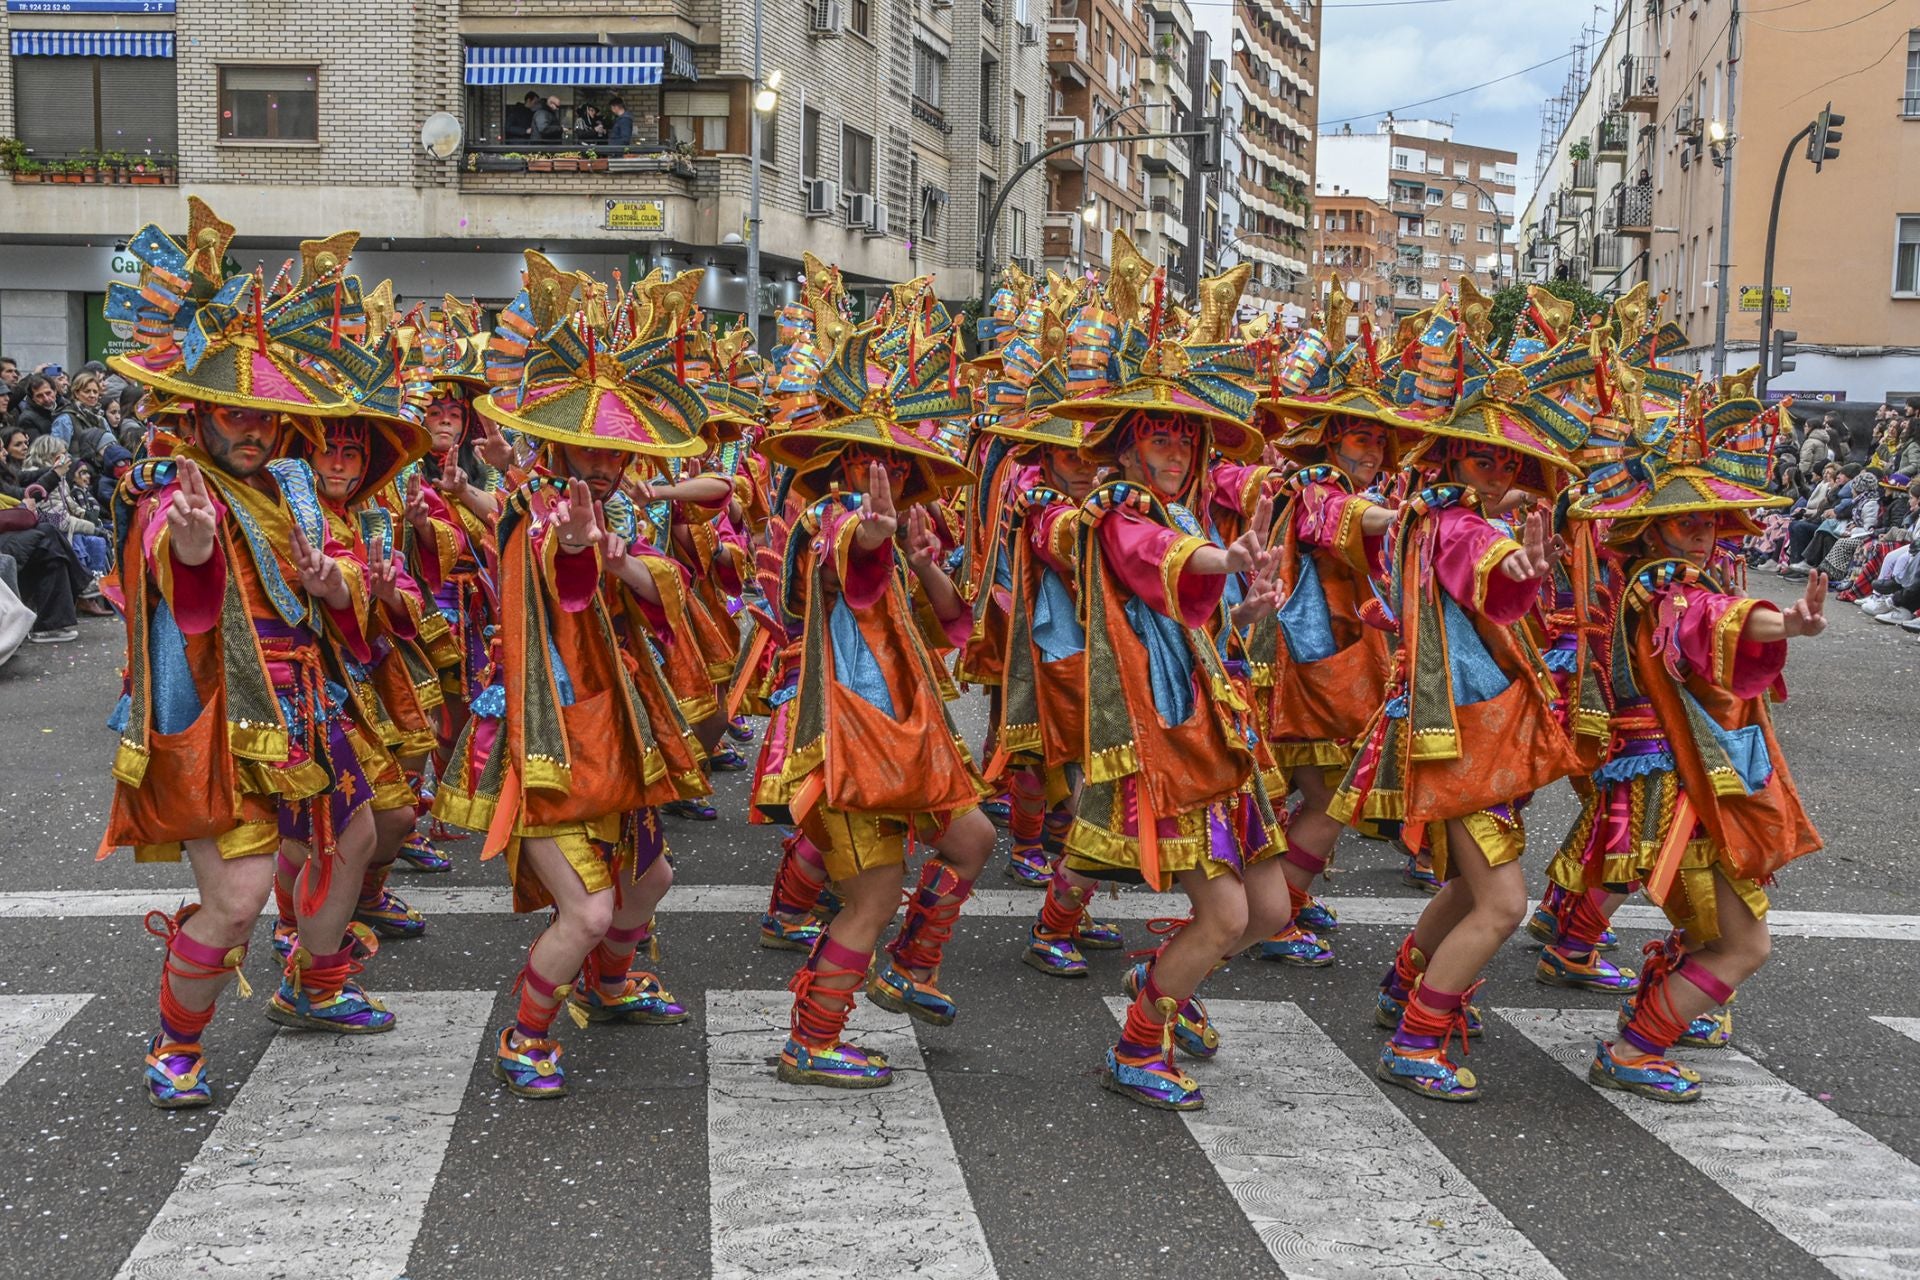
(26, 171)
(145, 172)
(566, 162)
(593, 163)
(540, 164)
(113, 167)
(169, 170)
(1579, 151)
(66, 172)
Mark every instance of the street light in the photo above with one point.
(1090, 213)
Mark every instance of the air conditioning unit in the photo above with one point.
(877, 224)
(1683, 117)
(823, 197)
(1029, 33)
(825, 17)
(860, 209)
(1026, 152)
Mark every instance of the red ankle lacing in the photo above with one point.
(191, 960)
(1654, 1017)
(1421, 1020)
(820, 1012)
(1166, 928)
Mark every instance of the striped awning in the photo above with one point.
(92, 44)
(565, 65)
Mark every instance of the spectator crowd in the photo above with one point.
(64, 440)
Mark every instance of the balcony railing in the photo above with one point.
(1910, 107)
(523, 157)
(1067, 48)
(1633, 208)
(112, 169)
(1608, 254)
(1639, 82)
(1582, 175)
(1612, 136)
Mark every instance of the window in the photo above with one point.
(929, 75)
(1017, 231)
(63, 106)
(1483, 234)
(1403, 160)
(1906, 257)
(698, 120)
(1455, 262)
(1487, 205)
(1433, 228)
(1910, 105)
(860, 16)
(1459, 199)
(856, 162)
(1461, 169)
(1457, 231)
(809, 143)
(1019, 115)
(769, 134)
(1435, 197)
(270, 104)
(1436, 164)
(1430, 261)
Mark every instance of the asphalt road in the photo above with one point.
(1003, 1158)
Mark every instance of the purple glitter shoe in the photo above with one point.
(1650, 1077)
(176, 1078)
(530, 1069)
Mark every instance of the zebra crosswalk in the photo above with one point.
(326, 1159)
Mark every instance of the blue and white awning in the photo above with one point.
(565, 65)
(92, 44)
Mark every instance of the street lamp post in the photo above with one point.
(1499, 241)
(765, 97)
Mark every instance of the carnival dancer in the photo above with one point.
(1469, 730)
(1319, 664)
(868, 754)
(1171, 794)
(567, 756)
(230, 739)
(1695, 803)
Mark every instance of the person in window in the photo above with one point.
(518, 125)
(588, 126)
(546, 121)
(620, 127)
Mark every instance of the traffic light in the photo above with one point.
(1778, 361)
(1824, 145)
(1210, 143)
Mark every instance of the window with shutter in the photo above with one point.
(63, 106)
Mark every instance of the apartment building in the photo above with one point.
(895, 125)
(1452, 203)
(1097, 51)
(1665, 132)
(1356, 236)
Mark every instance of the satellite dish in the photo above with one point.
(440, 135)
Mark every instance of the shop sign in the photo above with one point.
(635, 217)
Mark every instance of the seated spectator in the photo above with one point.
(133, 428)
(52, 579)
(82, 425)
(17, 474)
(1856, 516)
(35, 413)
(73, 513)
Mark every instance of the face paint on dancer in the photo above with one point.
(239, 441)
(1159, 453)
(341, 469)
(599, 469)
(1688, 536)
(1360, 450)
(858, 463)
(1488, 470)
(1070, 471)
(446, 420)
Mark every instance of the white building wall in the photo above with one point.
(1356, 162)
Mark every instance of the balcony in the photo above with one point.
(1164, 155)
(1631, 210)
(483, 164)
(1067, 50)
(1639, 84)
(1065, 129)
(1064, 235)
(1610, 142)
(1910, 107)
(1582, 181)
(1609, 254)
(93, 169)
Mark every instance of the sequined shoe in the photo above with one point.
(176, 1079)
(845, 1066)
(1053, 954)
(898, 991)
(998, 810)
(726, 760)
(1595, 973)
(1427, 1072)
(1419, 877)
(1387, 1011)
(1098, 935)
(1650, 1076)
(740, 729)
(1193, 1031)
(1295, 946)
(390, 917)
(350, 1011)
(1151, 1079)
(1029, 867)
(828, 906)
(1544, 928)
(531, 1069)
(285, 939)
(782, 935)
(1711, 1030)
(695, 810)
(644, 1002)
(1317, 917)
(417, 853)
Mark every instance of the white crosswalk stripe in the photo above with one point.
(741, 899)
(830, 1182)
(1823, 1182)
(323, 1163)
(1908, 1027)
(1336, 1180)
(27, 1023)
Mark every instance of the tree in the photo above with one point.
(1512, 300)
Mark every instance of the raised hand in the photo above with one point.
(613, 546)
(191, 518)
(493, 446)
(383, 574)
(452, 481)
(1248, 551)
(1532, 560)
(1808, 615)
(319, 572)
(1263, 592)
(419, 510)
(879, 521)
(924, 548)
(574, 519)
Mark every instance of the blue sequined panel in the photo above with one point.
(1746, 748)
(1305, 621)
(1057, 632)
(1169, 664)
(1476, 677)
(853, 662)
(562, 680)
(176, 703)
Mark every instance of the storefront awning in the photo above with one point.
(619, 66)
(92, 44)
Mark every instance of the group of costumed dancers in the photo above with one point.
(1229, 591)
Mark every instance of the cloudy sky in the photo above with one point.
(1378, 55)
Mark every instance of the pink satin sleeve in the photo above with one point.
(1044, 532)
(1467, 560)
(1712, 638)
(192, 592)
(864, 575)
(1151, 562)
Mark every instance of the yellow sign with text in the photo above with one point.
(1751, 295)
(639, 217)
